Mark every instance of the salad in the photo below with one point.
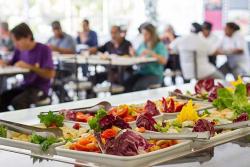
(115, 137)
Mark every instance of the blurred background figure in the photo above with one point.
(87, 37)
(211, 39)
(117, 45)
(151, 73)
(174, 60)
(6, 44)
(234, 47)
(35, 57)
(64, 44)
(194, 51)
(61, 42)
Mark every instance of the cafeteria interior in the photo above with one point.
(111, 83)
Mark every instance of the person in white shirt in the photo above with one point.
(211, 39)
(234, 47)
(192, 46)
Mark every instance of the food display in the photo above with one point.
(119, 133)
(49, 120)
(116, 137)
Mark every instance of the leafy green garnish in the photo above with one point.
(158, 126)
(94, 122)
(50, 119)
(206, 112)
(236, 101)
(3, 131)
(45, 142)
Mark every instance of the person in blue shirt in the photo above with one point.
(88, 36)
(150, 73)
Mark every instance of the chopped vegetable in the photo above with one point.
(242, 117)
(236, 101)
(109, 133)
(94, 122)
(87, 143)
(51, 119)
(203, 125)
(146, 121)
(77, 126)
(151, 108)
(3, 131)
(127, 144)
(188, 113)
(45, 142)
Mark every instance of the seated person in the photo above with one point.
(234, 46)
(194, 51)
(87, 37)
(37, 58)
(118, 44)
(64, 44)
(6, 44)
(61, 42)
(151, 73)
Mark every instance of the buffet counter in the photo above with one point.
(226, 154)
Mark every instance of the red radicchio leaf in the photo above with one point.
(146, 121)
(106, 122)
(242, 117)
(168, 106)
(151, 108)
(178, 91)
(212, 95)
(126, 144)
(203, 86)
(68, 114)
(203, 125)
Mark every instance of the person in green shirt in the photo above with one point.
(150, 73)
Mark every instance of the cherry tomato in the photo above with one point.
(77, 126)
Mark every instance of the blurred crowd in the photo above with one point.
(193, 56)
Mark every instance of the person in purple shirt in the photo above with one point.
(35, 57)
(88, 36)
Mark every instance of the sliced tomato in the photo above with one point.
(80, 117)
(121, 111)
(80, 147)
(84, 141)
(129, 118)
(77, 126)
(109, 133)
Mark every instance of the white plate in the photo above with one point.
(34, 148)
(147, 159)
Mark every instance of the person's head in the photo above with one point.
(57, 29)
(206, 28)
(85, 25)
(230, 28)
(22, 36)
(4, 28)
(195, 28)
(150, 35)
(169, 29)
(142, 25)
(116, 33)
